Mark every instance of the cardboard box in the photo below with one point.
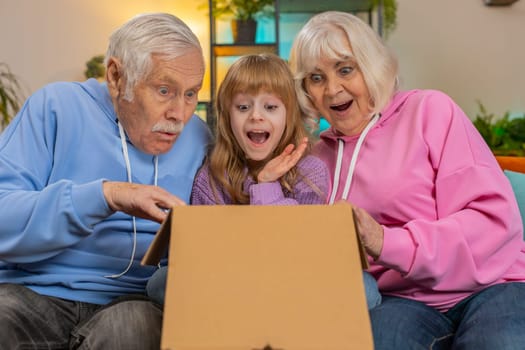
(262, 277)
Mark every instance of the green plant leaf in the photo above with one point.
(504, 136)
(242, 9)
(11, 95)
(95, 67)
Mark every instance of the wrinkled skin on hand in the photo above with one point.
(144, 201)
(370, 232)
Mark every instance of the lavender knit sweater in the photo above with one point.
(310, 167)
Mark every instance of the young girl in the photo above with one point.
(260, 152)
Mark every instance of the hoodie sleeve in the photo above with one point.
(202, 192)
(39, 218)
(477, 234)
(311, 188)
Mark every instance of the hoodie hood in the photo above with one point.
(391, 108)
(100, 94)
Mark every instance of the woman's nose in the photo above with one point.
(333, 87)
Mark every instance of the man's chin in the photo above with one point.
(160, 148)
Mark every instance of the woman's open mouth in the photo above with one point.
(342, 107)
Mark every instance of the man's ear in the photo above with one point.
(114, 77)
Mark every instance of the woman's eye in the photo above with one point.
(346, 70)
(316, 78)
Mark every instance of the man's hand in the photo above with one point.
(281, 164)
(145, 201)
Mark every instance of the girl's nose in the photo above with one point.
(256, 113)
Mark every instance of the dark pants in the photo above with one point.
(493, 319)
(29, 320)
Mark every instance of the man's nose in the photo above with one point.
(176, 108)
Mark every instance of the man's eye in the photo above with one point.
(163, 90)
(191, 94)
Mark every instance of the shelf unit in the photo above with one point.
(220, 49)
(306, 7)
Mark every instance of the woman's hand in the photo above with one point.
(280, 165)
(370, 232)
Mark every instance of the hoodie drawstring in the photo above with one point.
(351, 168)
(128, 171)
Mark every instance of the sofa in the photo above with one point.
(514, 169)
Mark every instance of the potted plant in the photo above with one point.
(505, 135)
(244, 14)
(388, 14)
(11, 95)
(95, 68)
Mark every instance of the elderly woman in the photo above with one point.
(435, 212)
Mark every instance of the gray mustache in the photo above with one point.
(172, 128)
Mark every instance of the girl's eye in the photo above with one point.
(243, 108)
(316, 78)
(270, 107)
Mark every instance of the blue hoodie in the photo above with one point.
(57, 234)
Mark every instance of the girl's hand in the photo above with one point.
(281, 164)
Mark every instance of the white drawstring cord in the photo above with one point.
(130, 180)
(337, 173)
(353, 161)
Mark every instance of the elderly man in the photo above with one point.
(87, 171)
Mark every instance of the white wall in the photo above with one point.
(469, 50)
(48, 40)
(462, 47)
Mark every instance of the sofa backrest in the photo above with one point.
(514, 169)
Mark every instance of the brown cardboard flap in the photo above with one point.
(362, 252)
(247, 277)
(160, 244)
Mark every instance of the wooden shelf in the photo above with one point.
(238, 50)
(218, 49)
(302, 6)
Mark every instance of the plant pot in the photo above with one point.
(244, 31)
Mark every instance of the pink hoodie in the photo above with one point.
(451, 222)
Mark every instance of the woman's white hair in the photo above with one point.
(145, 35)
(327, 35)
